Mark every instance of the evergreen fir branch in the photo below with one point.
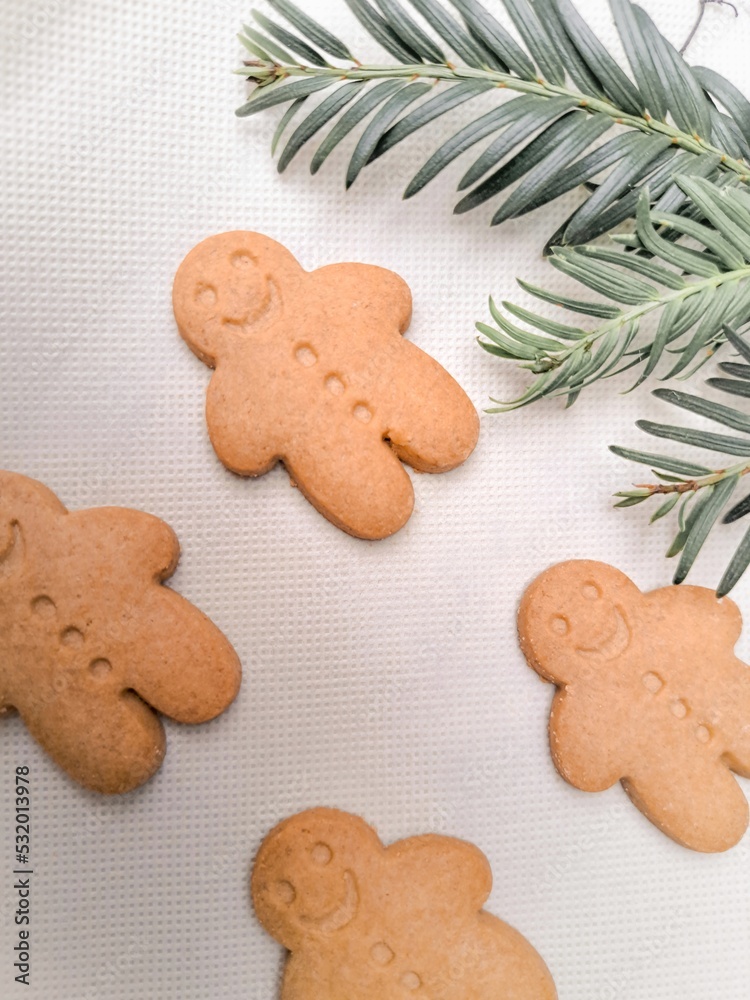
(696, 293)
(702, 496)
(573, 92)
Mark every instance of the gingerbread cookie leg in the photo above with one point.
(434, 426)
(89, 744)
(701, 806)
(189, 671)
(365, 491)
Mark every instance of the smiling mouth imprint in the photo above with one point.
(12, 557)
(343, 914)
(615, 645)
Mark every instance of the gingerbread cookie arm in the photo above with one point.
(363, 296)
(239, 419)
(721, 619)
(180, 662)
(589, 757)
(307, 976)
(446, 875)
(124, 540)
(515, 961)
(110, 747)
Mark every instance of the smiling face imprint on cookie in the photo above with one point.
(305, 880)
(577, 614)
(226, 290)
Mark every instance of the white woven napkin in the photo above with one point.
(382, 678)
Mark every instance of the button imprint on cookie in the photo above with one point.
(703, 734)
(71, 636)
(305, 355)
(100, 668)
(652, 682)
(43, 606)
(381, 954)
(335, 386)
(411, 981)
(361, 412)
(679, 708)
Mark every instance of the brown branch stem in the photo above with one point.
(699, 20)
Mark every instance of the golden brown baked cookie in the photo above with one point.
(368, 922)
(89, 639)
(312, 370)
(651, 694)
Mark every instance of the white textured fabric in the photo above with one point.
(382, 678)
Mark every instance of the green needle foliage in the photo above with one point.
(696, 293)
(572, 94)
(699, 495)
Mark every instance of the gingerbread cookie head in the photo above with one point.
(305, 880)
(651, 694)
(312, 370)
(91, 642)
(376, 923)
(229, 287)
(575, 616)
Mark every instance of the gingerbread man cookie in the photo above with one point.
(650, 694)
(366, 922)
(312, 370)
(91, 643)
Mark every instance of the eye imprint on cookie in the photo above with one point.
(71, 637)
(652, 682)
(703, 734)
(590, 591)
(43, 606)
(100, 668)
(206, 295)
(242, 260)
(306, 355)
(335, 386)
(286, 892)
(411, 981)
(560, 625)
(381, 954)
(321, 854)
(679, 708)
(362, 413)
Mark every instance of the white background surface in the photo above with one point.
(382, 678)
